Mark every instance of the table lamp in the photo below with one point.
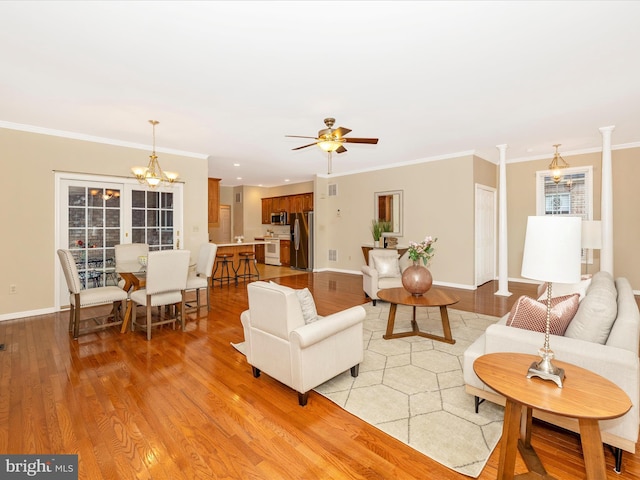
(591, 238)
(551, 254)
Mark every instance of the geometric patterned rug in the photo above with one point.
(412, 388)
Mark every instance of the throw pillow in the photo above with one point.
(387, 266)
(597, 312)
(531, 314)
(308, 305)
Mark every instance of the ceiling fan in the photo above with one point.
(333, 139)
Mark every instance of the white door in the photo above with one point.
(95, 213)
(485, 235)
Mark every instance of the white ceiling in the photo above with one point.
(231, 79)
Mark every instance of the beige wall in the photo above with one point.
(521, 202)
(28, 211)
(438, 200)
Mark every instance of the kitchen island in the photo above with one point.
(235, 248)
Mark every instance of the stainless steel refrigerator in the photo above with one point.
(301, 240)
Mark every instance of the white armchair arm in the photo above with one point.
(328, 326)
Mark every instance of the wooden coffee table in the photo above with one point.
(433, 298)
(584, 395)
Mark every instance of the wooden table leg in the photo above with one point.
(391, 321)
(509, 442)
(446, 328)
(592, 449)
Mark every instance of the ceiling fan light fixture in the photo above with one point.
(330, 145)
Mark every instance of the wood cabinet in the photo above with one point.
(302, 202)
(259, 253)
(214, 201)
(285, 253)
(267, 206)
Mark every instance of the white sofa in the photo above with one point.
(287, 340)
(615, 359)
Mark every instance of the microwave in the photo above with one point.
(279, 218)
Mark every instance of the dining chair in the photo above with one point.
(167, 272)
(129, 254)
(79, 299)
(201, 278)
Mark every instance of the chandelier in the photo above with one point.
(152, 174)
(557, 164)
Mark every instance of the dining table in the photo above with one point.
(134, 275)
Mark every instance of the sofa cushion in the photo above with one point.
(531, 314)
(308, 305)
(387, 266)
(597, 311)
(562, 289)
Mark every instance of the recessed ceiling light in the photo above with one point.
(236, 164)
(287, 180)
(529, 150)
(238, 178)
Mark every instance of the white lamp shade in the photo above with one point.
(552, 249)
(592, 234)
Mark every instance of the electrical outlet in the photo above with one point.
(13, 289)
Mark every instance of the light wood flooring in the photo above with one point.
(186, 406)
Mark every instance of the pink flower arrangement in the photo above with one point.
(423, 250)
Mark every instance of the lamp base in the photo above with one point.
(547, 371)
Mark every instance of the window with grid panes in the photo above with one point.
(93, 230)
(152, 219)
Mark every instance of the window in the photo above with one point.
(572, 195)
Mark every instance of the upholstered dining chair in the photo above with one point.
(201, 278)
(129, 254)
(166, 283)
(287, 340)
(79, 299)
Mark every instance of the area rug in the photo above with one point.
(412, 388)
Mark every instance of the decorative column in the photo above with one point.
(503, 266)
(606, 208)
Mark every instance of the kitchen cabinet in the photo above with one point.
(285, 253)
(299, 203)
(214, 201)
(307, 202)
(260, 252)
(267, 207)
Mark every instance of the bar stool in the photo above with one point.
(246, 260)
(223, 260)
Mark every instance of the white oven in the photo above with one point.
(272, 251)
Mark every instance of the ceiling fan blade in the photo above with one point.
(341, 149)
(341, 132)
(299, 136)
(361, 140)
(304, 146)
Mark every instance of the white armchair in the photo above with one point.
(384, 271)
(300, 355)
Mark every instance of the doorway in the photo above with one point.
(485, 234)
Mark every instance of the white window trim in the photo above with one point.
(588, 171)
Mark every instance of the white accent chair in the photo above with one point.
(302, 356)
(166, 283)
(384, 271)
(79, 299)
(201, 278)
(128, 254)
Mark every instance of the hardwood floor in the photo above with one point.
(186, 406)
